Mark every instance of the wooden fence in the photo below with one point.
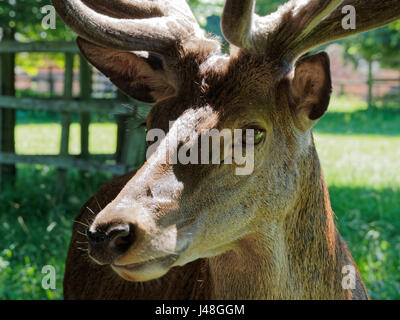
(375, 91)
(130, 151)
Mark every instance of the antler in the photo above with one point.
(300, 25)
(370, 14)
(131, 25)
(292, 22)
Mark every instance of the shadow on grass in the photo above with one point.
(49, 117)
(35, 228)
(384, 122)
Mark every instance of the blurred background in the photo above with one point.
(65, 130)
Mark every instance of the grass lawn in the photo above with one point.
(359, 151)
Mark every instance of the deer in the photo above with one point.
(186, 231)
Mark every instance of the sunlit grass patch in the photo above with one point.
(45, 138)
(360, 161)
(347, 104)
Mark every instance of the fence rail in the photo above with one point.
(129, 116)
(12, 46)
(60, 105)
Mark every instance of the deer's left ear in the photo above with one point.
(310, 89)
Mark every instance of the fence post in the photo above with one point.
(7, 116)
(86, 93)
(134, 149)
(121, 129)
(131, 138)
(398, 92)
(65, 121)
(51, 81)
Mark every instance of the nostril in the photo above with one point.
(96, 237)
(121, 237)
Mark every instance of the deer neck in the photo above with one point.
(299, 257)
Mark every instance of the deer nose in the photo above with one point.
(118, 238)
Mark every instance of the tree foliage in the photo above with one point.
(382, 45)
(206, 8)
(25, 17)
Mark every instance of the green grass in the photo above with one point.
(35, 229)
(44, 138)
(364, 183)
(35, 226)
(359, 151)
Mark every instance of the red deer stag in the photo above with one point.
(175, 231)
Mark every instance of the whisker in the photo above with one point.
(76, 221)
(90, 210)
(89, 222)
(95, 198)
(80, 233)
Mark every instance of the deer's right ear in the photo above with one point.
(142, 77)
(310, 89)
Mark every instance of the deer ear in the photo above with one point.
(311, 89)
(140, 75)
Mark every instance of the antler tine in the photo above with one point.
(291, 23)
(300, 25)
(369, 15)
(237, 22)
(125, 8)
(131, 25)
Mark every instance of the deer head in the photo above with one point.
(170, 214)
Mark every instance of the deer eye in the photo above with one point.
(249, 138)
